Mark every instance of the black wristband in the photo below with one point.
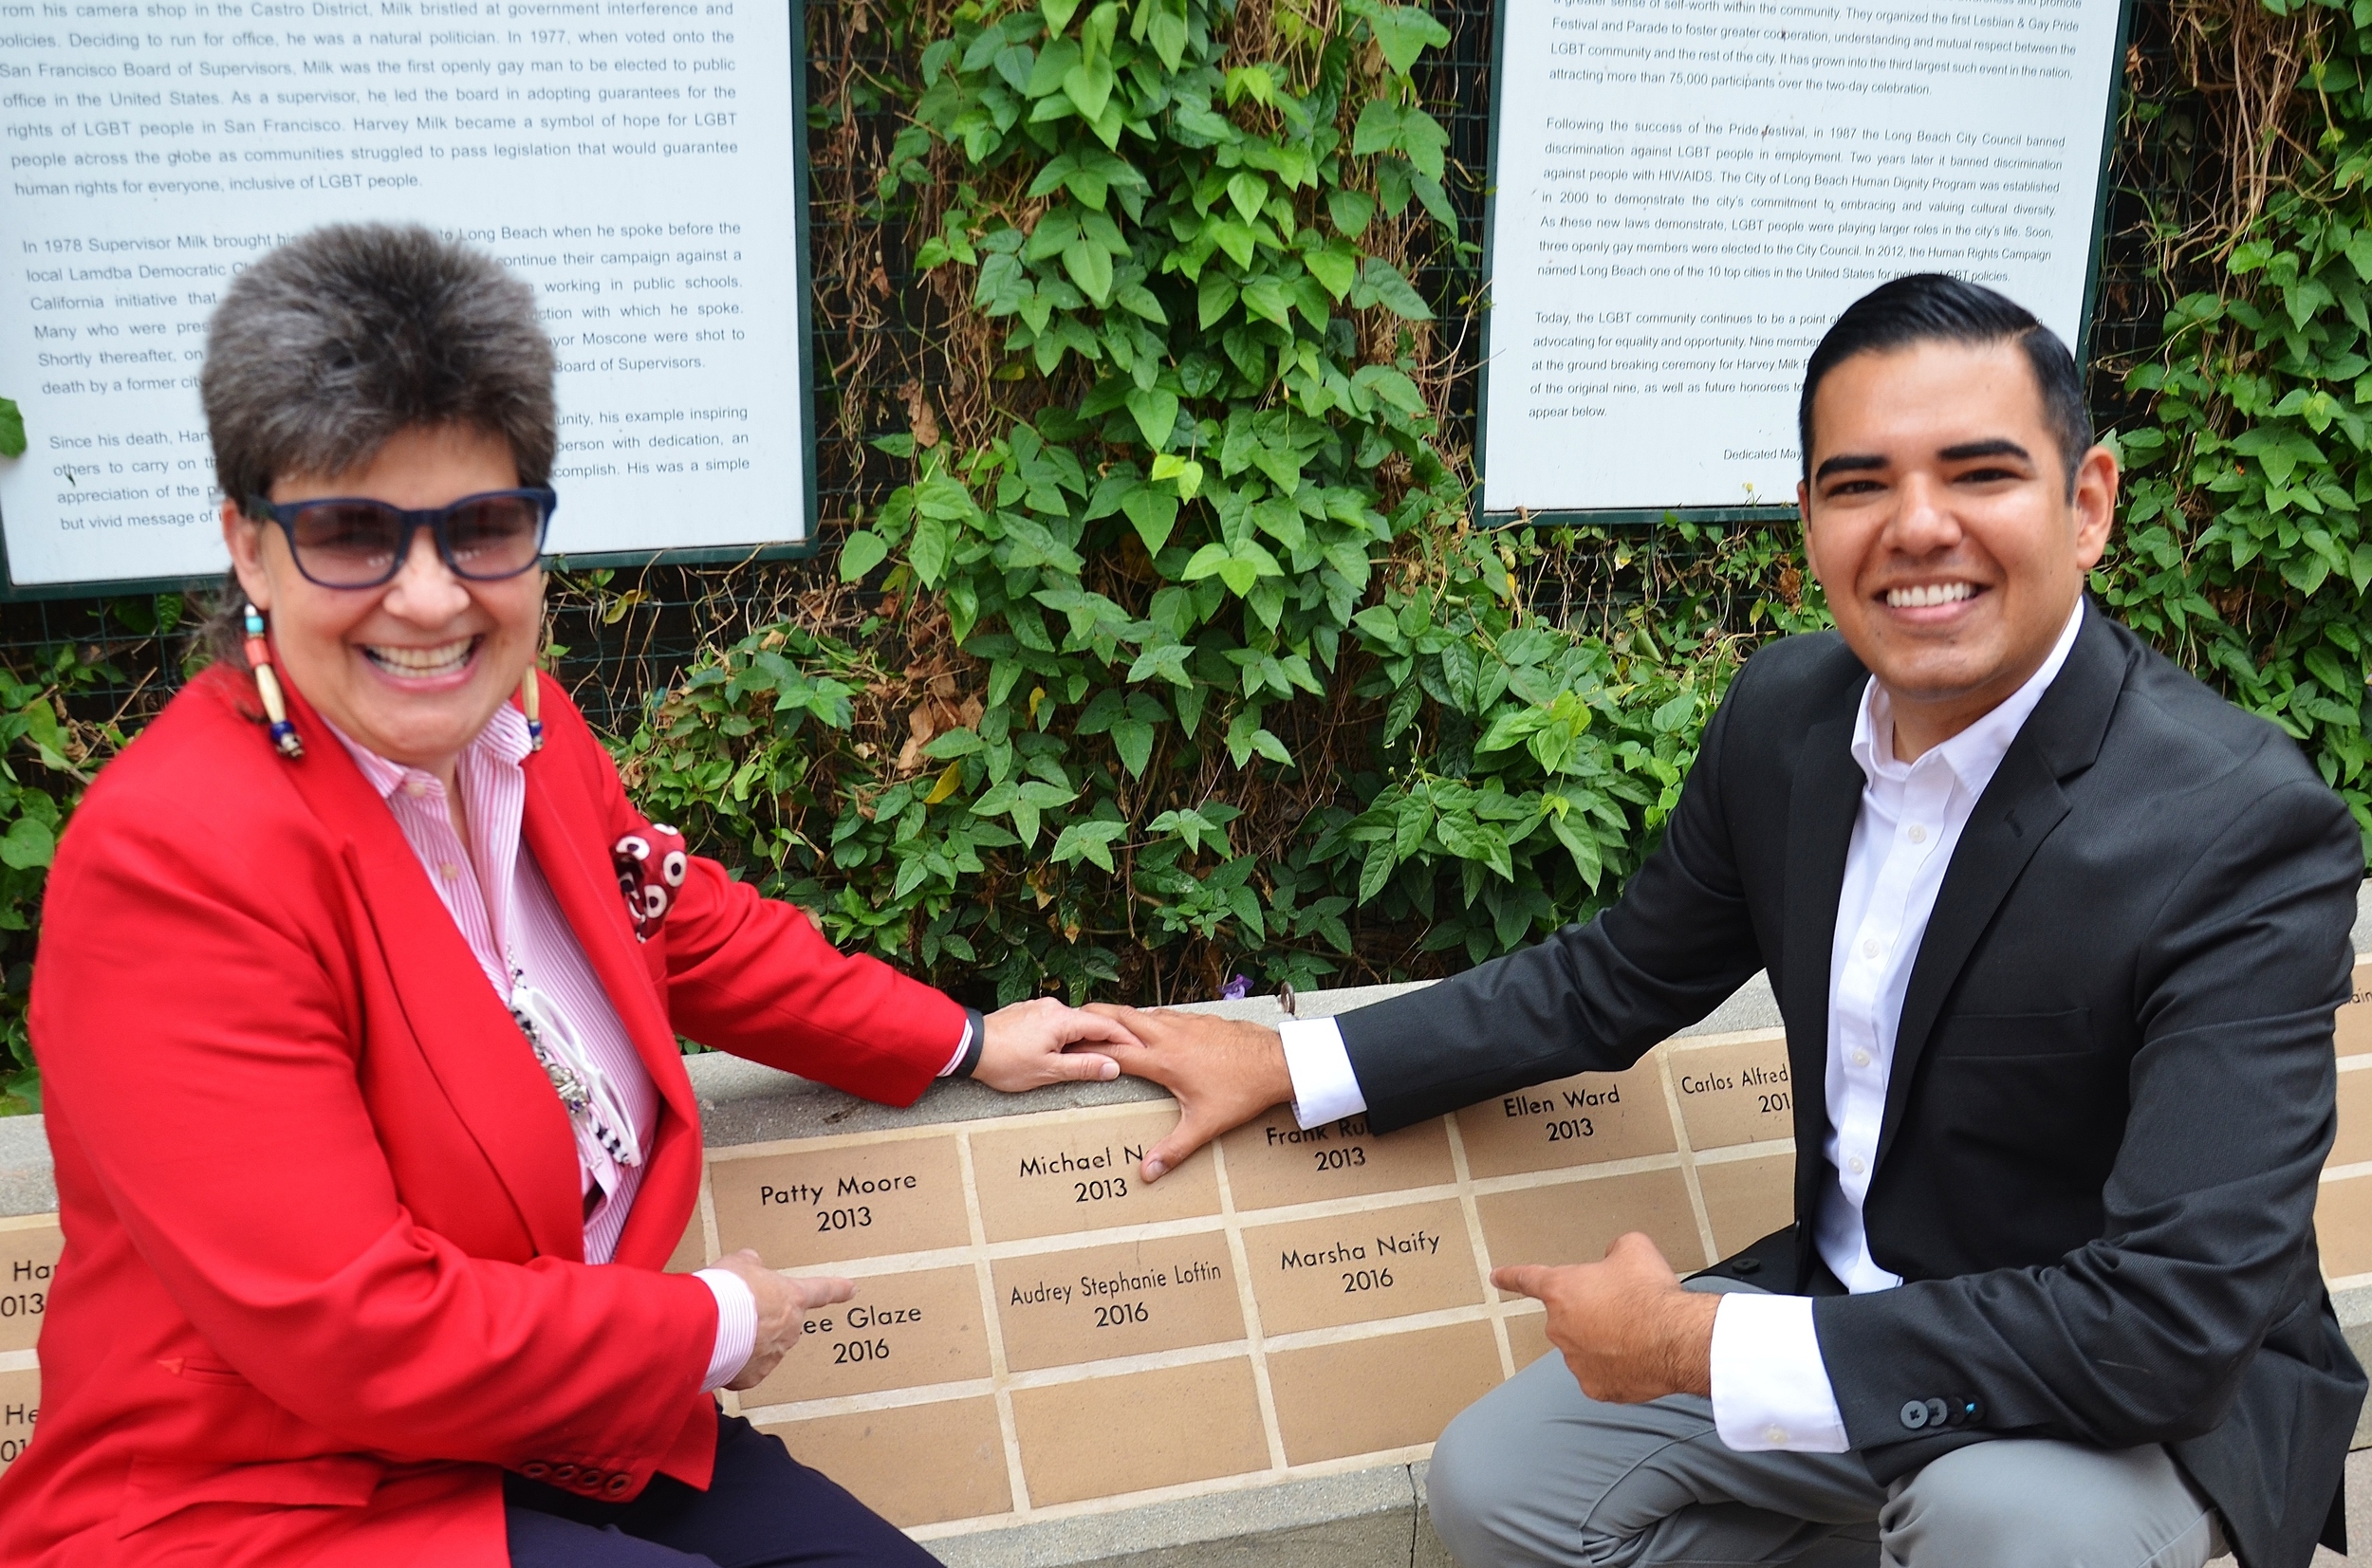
(978, 1029)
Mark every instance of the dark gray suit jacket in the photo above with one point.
(2113, 1082)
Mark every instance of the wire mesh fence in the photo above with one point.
(622, 636)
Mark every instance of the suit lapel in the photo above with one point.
(563, 834)
(2019, 809)
(466, 1035)
(1823, 801)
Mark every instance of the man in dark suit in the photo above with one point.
(2059, 935)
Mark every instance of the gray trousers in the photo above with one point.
(1536, 1474)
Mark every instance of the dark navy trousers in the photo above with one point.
(762, 1509)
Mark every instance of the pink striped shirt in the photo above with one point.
(519, 927)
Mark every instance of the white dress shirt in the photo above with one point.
(1771, 1386)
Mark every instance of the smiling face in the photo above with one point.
(414, 668)
(1939, 522)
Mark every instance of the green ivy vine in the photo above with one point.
(2243, 549)
(1225, 532)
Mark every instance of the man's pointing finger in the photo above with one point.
(1523, 1278)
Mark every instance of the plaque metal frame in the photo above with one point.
(810, 505)
(1784, 512)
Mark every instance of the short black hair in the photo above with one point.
(324, 348)
(1931, 307)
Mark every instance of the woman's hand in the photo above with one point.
(783, 1306)
(1027, 1046)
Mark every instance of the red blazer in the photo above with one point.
(324, 1277)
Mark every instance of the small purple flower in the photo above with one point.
(1237, 988)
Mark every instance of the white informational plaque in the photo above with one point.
(1688, 192)
(636, 161)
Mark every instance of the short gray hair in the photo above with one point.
(327, 346)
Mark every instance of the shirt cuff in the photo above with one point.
(1771, 1386)
(963, 1043)
(1324, 1088)
(736, 1326)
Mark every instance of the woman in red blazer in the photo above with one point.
(329, 1192)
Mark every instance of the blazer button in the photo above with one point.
(1915, 1413)
(535, 1470)
(564, 1475)
(619, 1485)
(1938, 1413)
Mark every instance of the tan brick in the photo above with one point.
(914, 1464)
(901, 1331)
(29, 1258)
(871, 1200)
(1054, 1178)
(1367, 1396)
(1129, 1299)
(1734, 1094)
(1575, 1222)
(1376, 1263)
(1109, 1435)
(2342, 1226)
(1272, 1162)
(1582, 1120)
(1746, 1200)
(20, 1403)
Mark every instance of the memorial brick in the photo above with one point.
(1036, 1332)
(1140, 1431)
(20, 1406)
(2354, 1144)
(1735, 1094)
(916, 1463)
(1586, 1120)
(2343, 1226)
(29, 1255)
(1381, 1396)
(902, 1330)
(1570, 1222)
(1273, 1161)
(1053, 1177)
(1100, 1304)
(818, 1206)
(2354, 1026)
(1363, 1267)
(1747, 1199)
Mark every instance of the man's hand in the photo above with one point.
(1222, 1072)
(1027, 1046)
(783, 1306)
(1628, 1331)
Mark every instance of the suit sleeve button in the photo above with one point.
(620, 1485)
(564, 1475)
(535, 1470)
(1938, 1413)
(1915, 1413)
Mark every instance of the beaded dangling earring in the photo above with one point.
(530, 703)
(284, 734)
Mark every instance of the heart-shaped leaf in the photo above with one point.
(1248, 192)
(1215, 296)
(1088, 85)
(1090, 266)
(1351, 210)
(1156, 412)
(860, 553)
(1153, 513)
